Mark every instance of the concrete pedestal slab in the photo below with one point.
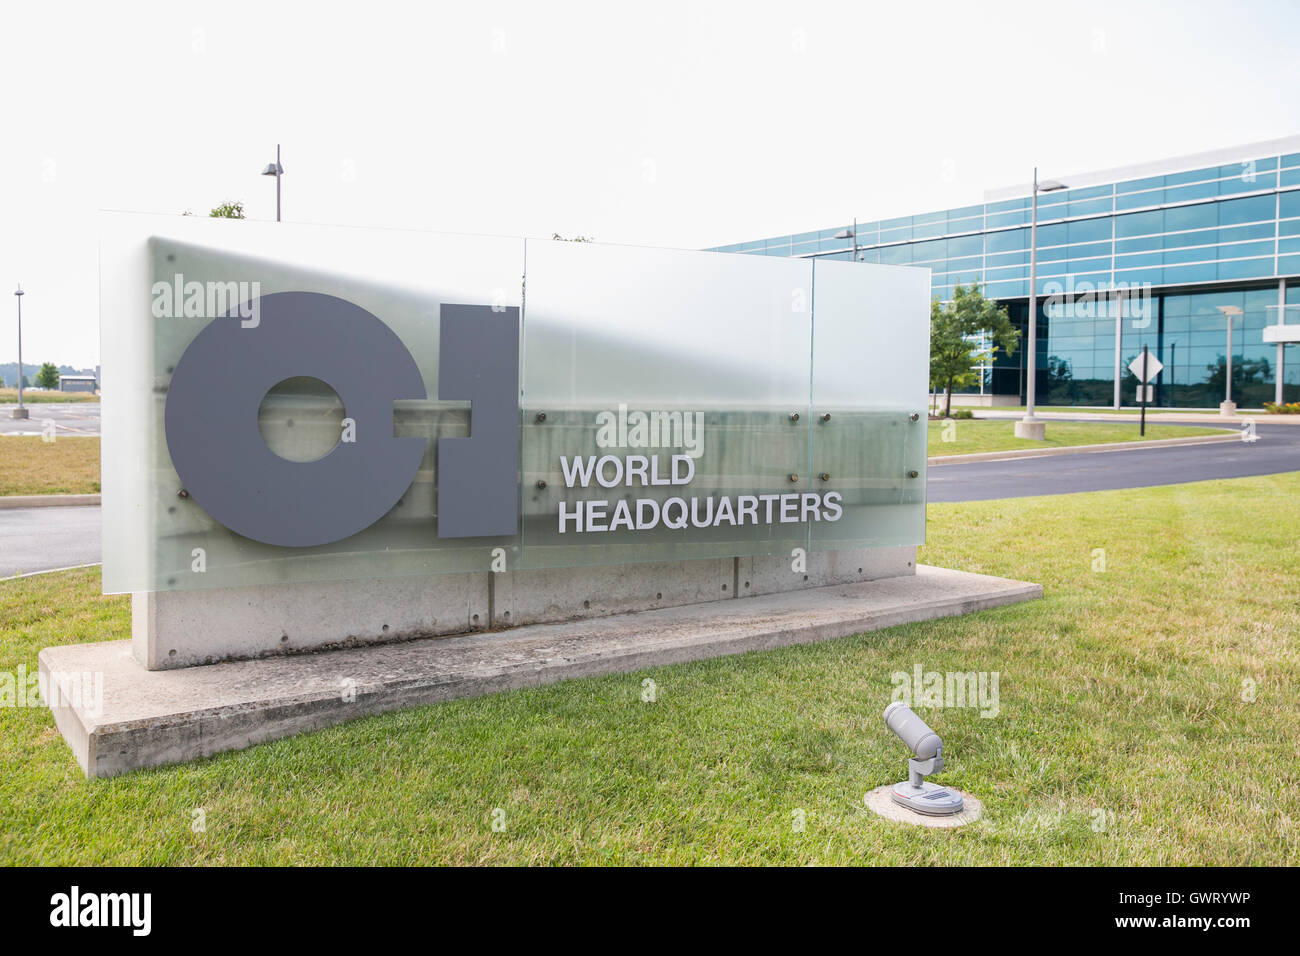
(879, 802)
(120, 716)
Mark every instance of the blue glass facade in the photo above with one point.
(1192, 240)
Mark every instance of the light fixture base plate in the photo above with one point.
(929, 799)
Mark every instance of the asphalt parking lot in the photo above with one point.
(70, 418)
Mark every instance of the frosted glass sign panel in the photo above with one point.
(870, 352)
(292, 403)
(666, 399)
(166, 281)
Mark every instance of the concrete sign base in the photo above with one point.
(143, 718)
(172, 629)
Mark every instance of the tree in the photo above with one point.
(48, 376)
(228, 210)
(955, 333)
(952, 356)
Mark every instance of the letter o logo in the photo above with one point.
(216, 447)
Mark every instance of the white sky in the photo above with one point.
(675, 124)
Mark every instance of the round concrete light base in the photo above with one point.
(1227, 409)
(1035, 430)
(20, 413)
(880, 802)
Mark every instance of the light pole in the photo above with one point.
(850, 234)
(1228, 406)
(1030, 427)
(276, 170)
(20, 411)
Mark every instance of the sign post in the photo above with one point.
(1145, 368)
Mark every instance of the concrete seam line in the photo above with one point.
(47, 501)
(1081, 449)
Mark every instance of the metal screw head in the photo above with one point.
(182, 493)
(541, 484)
(541, 416)
(913, 474)
(794, 477)
(914, 417)
(826, 417)
(794, 416)
(825, 476)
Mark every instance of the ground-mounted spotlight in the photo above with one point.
(927, 749)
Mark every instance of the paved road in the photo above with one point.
(34, 539)
(71, 418)
(38, 539)
(1277, 450)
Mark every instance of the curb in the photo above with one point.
(46, 501)
(32, 574)
(1234, 435)
(1153, 417)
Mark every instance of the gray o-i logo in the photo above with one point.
(218, 451)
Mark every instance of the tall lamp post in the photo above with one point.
(1228, 406)
(276, 170)
(20, 411)
(1030, 427)
(850, 234)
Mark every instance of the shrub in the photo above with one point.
(1287, 408)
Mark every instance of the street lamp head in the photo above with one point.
(273, 169)
(1230, 310)
(843, 234)
(1050, 186)
(20, 290)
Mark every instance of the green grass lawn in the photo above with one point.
(970, 436)
(10, 396)
(29, 465)
(1125, 733)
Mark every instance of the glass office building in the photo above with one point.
(1147, 255)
